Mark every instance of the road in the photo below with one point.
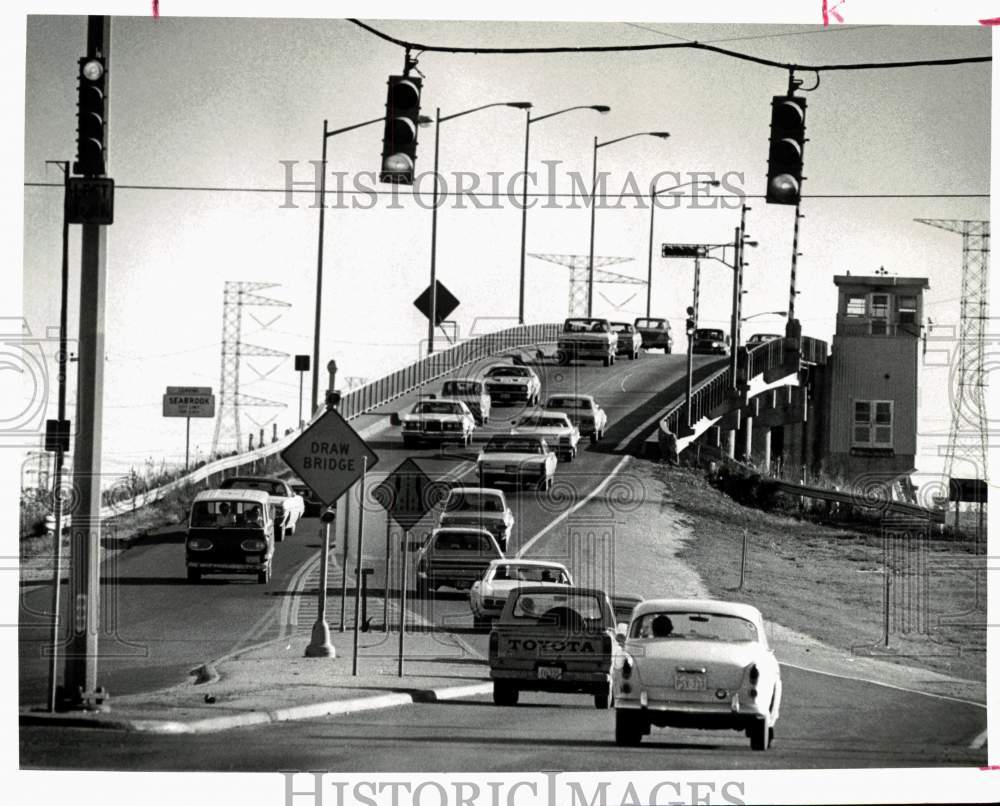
(157, 626)
(826, 722)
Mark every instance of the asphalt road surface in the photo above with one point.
(826, 722)
(156, 626)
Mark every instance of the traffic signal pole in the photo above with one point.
(319, 279)
(690, 335)
(432, 316)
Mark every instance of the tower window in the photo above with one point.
(872, 426)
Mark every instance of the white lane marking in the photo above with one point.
(574, 508)
(887, 685)
(979, 741)
(621, 383)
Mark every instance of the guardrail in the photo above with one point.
(361, 400)
(859, 499)
(716, 389)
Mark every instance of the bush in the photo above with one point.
(35, 505)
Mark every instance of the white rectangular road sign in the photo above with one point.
(189, 401)
(329, 457)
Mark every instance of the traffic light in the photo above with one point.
(784, 159)
(399, 143)
(91, 128)
(690, 324)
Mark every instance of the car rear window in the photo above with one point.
(463, 542)
(570, 610)
(715, 335)
(507, 372)
(472, 502)
(693, 627)
(461, 388)
(513, 444)
(530, 573)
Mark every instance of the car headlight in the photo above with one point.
(253, 544)
(199, 544)
(410, 426)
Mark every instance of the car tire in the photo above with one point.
(263, 577)
(408, 442)
(594, 437)
(279, 534)
(504, 693)
(667, 349)
(608, 361)
(423, 590)
(631, 356)
(193, 575)
(629, 729)
(545, 484)
(604, 698)
(760, 732)
(562, 357)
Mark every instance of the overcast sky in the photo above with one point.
(224, 103)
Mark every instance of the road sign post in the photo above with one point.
(402, 598)
(319, 645)
(343, 562)
(330, 457)
(357, 572)
(188, 402)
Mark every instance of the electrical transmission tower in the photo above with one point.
(579, 270)
(236, 296)
(967, 442)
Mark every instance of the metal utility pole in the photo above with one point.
(432, 315)
(57, 499)
(690, 345)
(80, 690)
(734, 348)
(792, 292)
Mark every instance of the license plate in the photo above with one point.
(253, 559)
(511, 469)
(689, 682)
(549, 672)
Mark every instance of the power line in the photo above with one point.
(666, 46)
(537, 195)
(826, 30)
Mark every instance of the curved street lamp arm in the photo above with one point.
(662, 135)
(516, 104)
(352, 128)
(601, 109)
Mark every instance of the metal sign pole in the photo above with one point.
(187, 443)
(357, 572)
(343, 564)
(319, 645)
(388, 575)
(402, 598)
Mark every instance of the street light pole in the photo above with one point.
(690, 350)
(319, 276)
(431, 324)
(593, 208)
(524, 190)
(652, 210)
(438, 120)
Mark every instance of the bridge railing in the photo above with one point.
(355, 403)
(715, 390)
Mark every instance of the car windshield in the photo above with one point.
(567, 403)
(715, 335)
(513, 444)
(652, 324)
(268, 486)
(472, 502)
(621, 327)
(464, 542)
(571, 611)
(531, 573)
(693, 627)
(543, 422)
(461, 388)
(585, 326)
(508, 372)
(437, 407)
(238, 514)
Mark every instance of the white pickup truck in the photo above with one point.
(587, 338)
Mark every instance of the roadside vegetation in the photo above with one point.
(827, 580)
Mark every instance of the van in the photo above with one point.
(230, 532)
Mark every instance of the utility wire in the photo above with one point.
(827, 30)
(535, 194)
(667, 46)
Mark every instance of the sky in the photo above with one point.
(238, 105)
(218, 102)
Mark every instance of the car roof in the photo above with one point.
(712, 606)
(530, 563)
(462, 529)
(253, 478)
(572, 590)
(461, 380)
(541, 412)
(568, 396)
(493, 491)
(259, 496)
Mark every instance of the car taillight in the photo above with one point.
(199, 544)
(754, 674)
(494, 643)
(253, 544)
(606, 644)
(627, 668)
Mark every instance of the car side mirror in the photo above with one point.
(394, 418)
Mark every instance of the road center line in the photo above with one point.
(574, 508)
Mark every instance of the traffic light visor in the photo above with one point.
(783, 188)
(399, 164)
(403, 94)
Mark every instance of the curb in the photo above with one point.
(292, 713)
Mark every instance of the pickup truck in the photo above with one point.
(554, 639)
(587, 338)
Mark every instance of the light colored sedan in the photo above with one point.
(693, 663)
(479, 507)
(472, 393)
(555, 428)
(517, 459)
(438, 421)
(583, 411)
(507, 383)
(489, 594)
